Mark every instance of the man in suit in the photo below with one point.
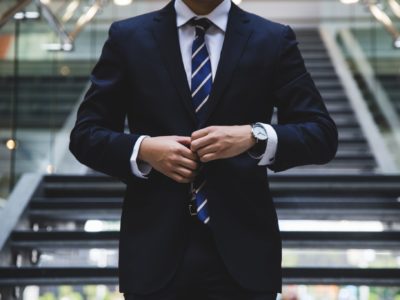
(197, 82)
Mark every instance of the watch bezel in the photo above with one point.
(253, 127)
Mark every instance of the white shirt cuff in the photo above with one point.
(269, 156)
(139, 169)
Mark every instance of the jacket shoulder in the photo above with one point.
(130, 25)
(263, 25)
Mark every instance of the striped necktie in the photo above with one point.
(201, 88)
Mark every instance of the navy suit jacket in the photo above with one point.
(140, 75)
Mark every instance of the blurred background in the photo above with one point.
(59, 221)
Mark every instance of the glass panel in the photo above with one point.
(341, 258)
(292, 257)
(99, 224)
(40, 88)
(334, 292)
(370, 40)
(87, 292)
(96, 257)
(7, 103)
(289, 292)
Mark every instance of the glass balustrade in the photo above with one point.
(40, 88)
(368, 35)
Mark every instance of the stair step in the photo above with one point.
(24, 276)
(316, 56)
(299, 239)
(340, 184)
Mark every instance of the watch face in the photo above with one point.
(259, 133)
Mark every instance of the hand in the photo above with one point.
(171, 156)
(216, 142)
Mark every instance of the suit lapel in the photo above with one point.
(236, 37)
(166, 34)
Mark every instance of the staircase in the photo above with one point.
(58, 233)
(43, 101)
(38, 110)
(51, 245)
(354, 154)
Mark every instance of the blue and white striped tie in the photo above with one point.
(201, 89)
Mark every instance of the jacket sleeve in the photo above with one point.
(306, 133)
(98, 139)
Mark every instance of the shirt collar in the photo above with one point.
(219, 16)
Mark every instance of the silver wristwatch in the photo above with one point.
(260, 134)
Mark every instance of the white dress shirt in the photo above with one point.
(214, 39)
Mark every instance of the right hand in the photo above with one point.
(170, 155)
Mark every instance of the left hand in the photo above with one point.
(217, 142)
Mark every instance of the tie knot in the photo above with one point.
(201, 25)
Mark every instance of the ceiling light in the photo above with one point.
(52, 47)
(122, 2)
(93, 226)
(67, 47)
(58, 47)
(65, 70)
(50, 169)
(19, 15)
(396, 43)
(349, 1)
(32, 15)
(11, 144)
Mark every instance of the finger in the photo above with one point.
(202, 142)
(207, 149)
(189, 154)
(184, 172)
(208, 157)
(191, 177)
(184, 140)
(200, 133)
(180, 179)
(188, 163)
(183, 177)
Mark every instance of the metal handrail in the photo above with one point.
(11, 213)
(86, 18)
(53, 21)
(13, 276)
(385, 20)
(66, 39)
(9, 14)
(374, 86)
(371, 131)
